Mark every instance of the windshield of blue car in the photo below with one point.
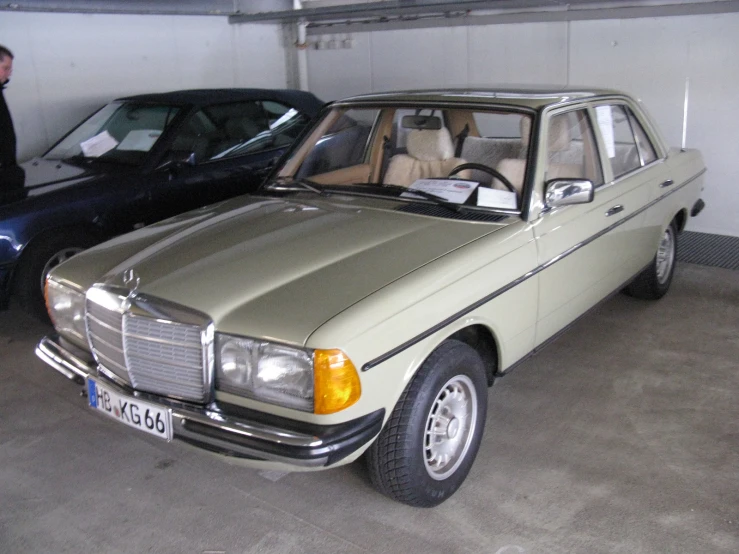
(457, 154)
(120, 132)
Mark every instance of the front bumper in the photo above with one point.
(232, 430)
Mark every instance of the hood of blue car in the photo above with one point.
(43, 174)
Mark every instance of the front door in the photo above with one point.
(581, 246)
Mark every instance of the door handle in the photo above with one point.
(667, 183)
(616, 209)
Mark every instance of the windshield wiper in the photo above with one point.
(435, 198)
(422, 193)
(304, 184)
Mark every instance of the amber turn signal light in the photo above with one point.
(336, 382)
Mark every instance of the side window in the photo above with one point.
(619, 140)
(646, 148)
(223, 131)
(285, 123)
(344, 145)
(571, 151)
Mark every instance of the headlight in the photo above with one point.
(66, 307)
(320, 381)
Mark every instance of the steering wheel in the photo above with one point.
(489, 170)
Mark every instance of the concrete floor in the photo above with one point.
(623, 436)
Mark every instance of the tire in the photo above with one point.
(654, 282)
(45, 253)
(404, 463)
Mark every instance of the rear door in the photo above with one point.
(638, 175)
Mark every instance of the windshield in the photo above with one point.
(460, 156)
(122, 132)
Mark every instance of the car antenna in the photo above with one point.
(685, 113)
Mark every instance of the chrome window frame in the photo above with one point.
(659, 149)
(595, 136)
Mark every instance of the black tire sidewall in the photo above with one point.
(27, 280)
(452, 359)
(646, 285)
(662, 288)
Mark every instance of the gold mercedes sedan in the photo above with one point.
(410, 249)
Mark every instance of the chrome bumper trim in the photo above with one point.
(61, 359)
(209, 428)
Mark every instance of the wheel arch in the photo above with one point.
(83, 228)
(482, 339)
(681, 219)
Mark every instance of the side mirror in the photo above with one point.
(565, 192)
(175, 160)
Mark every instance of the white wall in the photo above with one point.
(650, 58)
(67, 65)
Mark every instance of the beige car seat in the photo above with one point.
(430, 155)
(558, 140)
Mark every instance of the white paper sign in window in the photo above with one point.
(605, 122)
(493, 198)
(451, 190)
(140, 140)
(98, 145)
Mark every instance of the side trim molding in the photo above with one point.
(463, 312)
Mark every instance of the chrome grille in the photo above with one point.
(164, 357)
(152, 345)
(104, 335)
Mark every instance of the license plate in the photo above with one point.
(135, 413)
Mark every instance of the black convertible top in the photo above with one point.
(303, 101)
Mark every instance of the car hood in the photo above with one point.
(44, 176)
(276, 268)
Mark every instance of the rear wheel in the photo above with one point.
(44, 254)
(426, 449)
(654, 282)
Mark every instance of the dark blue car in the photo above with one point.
(135, 161)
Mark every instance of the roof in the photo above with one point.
(304, 101)
(529, 96)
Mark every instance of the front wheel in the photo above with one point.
(426, 449)
(654, 282)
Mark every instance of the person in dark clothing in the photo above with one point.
(11, 174)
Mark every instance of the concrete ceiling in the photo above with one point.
(386, 13)
(320, 9)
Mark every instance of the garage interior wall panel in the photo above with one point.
(651, 58)
(420, 58)
(67, 65)
(342, 72)
(526, 53)
(713, 121)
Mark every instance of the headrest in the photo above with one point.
(559, 133)
(430, 145)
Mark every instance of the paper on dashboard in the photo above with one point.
(451, 190)
(140, 140)
(493, 198)
(98, 145)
